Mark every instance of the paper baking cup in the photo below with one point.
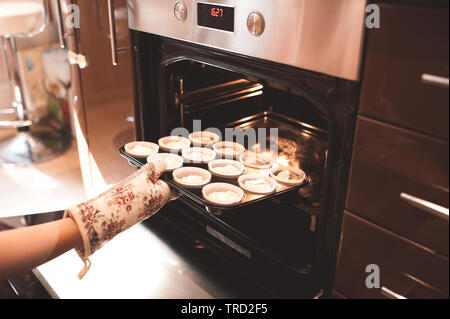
(220, 147)
(213, 165)
(164, 156)
(272, 183)
(141, 149)
(179, 173)
(164, 141)
(222, 187)
(245, 158)
(207, 154)
(296, 171)
(203, 138)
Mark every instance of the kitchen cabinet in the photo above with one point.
(405, 268)
(405, 64)
(102, 95)
(390, 165)
(398, 192)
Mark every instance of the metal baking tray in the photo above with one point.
(196, 194)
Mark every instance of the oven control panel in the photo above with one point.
(220, 17)
(317, 35)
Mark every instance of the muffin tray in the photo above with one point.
(196, 194)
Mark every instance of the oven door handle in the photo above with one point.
(432, 208)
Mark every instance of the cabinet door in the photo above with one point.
(404, 268)
(412, 43)
(389, 166)
(106, 90)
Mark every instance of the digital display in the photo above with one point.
(215, 16)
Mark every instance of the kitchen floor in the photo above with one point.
(24, 286)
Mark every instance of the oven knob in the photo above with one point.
(180, 11)
(255, 23)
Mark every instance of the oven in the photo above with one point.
(292, 68)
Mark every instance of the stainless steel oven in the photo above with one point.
(292, 65)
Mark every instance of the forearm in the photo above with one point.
(91, 223)
(23, 249)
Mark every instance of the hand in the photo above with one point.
(129, 202)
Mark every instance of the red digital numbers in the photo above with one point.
(217, 12)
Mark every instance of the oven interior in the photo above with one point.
(284, 226)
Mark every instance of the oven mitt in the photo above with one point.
(132, 200)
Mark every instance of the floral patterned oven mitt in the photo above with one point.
(129, 202)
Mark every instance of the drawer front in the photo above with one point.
(389, 164)
(404, 268)
(412, 41)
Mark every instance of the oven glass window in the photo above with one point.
(223, 99)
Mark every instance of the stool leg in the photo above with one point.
(9, 49)
(25, 147)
